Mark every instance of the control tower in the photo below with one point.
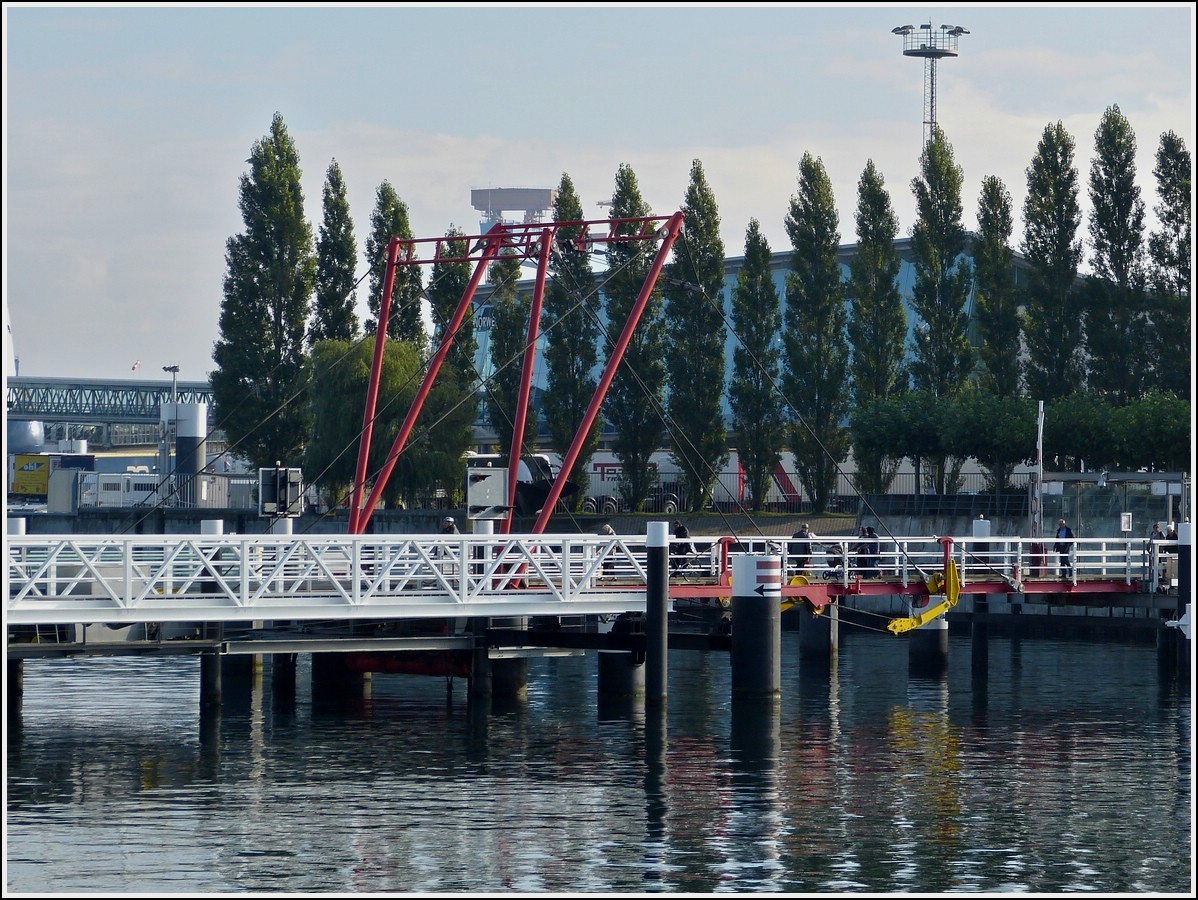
(493, 202)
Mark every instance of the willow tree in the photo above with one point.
(257, 386)
(431, 457)
(816, 377)
(695, 363)
(757, 367)
(570, 323)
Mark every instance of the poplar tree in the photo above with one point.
(334, 315)
(509, 334)
(1116, 321)
(633, 405)
(943, 358)
(270, 269)
(996, 305)
(390, 219)
(877, 325)
(816, 378)
(570, 323)
(459, 373)
(1169, 251)
(1053, 320)
(695, 330)
(447, 285)
(757, 367)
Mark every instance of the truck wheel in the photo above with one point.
(610, 507)
(589, 505)
(670, 507)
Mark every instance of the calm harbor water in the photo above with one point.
(1068, 769)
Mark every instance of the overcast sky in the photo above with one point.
(126, 130)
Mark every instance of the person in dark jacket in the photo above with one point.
(1063, 545)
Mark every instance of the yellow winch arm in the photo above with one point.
(950, 583)
(789, 602)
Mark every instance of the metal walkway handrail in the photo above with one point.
(83, 579)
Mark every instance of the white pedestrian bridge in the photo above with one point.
(119, 580)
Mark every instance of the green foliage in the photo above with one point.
(1170, 251)
(877, 427)
(998, 431)
(270, 269)
(509, 337)
(1154, 433)
(756, 367)
(447, 287)
(634, 401)
(816, 378)
(570, 323)
(943, 358)
(996, 313)
(1117, 308)
(432, 455)
(694, 316)
(877, 325)
(1053, 321)
(390, 219)
(1080, 430)
(333, 315)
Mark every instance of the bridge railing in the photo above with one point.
(86, 578)
(89, 578)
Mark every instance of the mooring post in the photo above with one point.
(657, 611)
(480, 684)
(1185, 577)
(756, 626)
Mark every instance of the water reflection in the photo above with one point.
(1070, 772)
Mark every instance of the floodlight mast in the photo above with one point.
(930, 44)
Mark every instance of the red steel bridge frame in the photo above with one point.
(527, 242)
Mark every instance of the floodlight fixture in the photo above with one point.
(930, 45)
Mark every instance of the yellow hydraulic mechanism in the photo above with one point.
(944, 589)
(788, 602)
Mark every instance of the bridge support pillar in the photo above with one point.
(979, 636)
(210, 680)
(16, 687)
(620, 675)
(509, 678)
(332, 679)
(480, 683)
(816, 645)
(927, 652)
(757, 626)
(282, 681)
